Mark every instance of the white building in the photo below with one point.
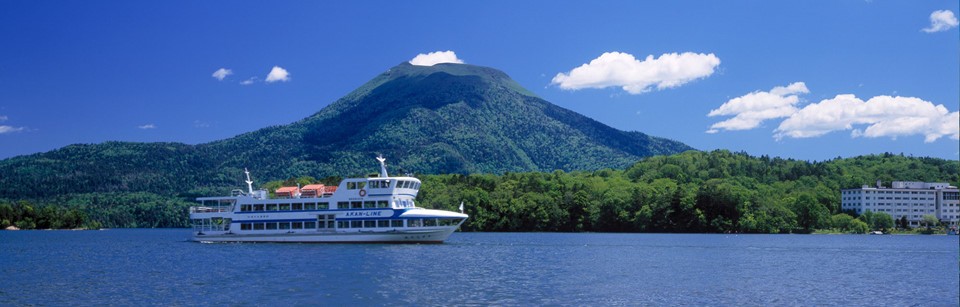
(905, 198)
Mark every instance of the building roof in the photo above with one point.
(287, 189)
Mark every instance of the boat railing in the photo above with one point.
(211, 209)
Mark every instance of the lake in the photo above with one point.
(160, 267)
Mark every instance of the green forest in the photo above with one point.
(704, 192)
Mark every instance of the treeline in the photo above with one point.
(23, 215)
(715, 191)
(98, 210)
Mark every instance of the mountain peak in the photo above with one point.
(456, 69)
(486, 74)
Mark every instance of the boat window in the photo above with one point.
(361, 184)
(284, 207)
(297, 207)
(271, 226)
(284, 225)
(356, 205)
(382, 204)
(396, 223)
(297, 225)
(309, 225)
(246, 226)
(310, 206)
(343, 205)
(257, 226)
(246, 207)
(369, 204)
(271, 207)
(417, 187)
(383, 223)
(326, 220)
(258, 207)
(351, 185)
(356, 224)
(323, 206)
(369, 224)
(414, 223)
(449, 222)
(343, 224)
(375, 184)
(429, 222)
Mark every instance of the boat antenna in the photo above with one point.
(383, 166)
(249, 182)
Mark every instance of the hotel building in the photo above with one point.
(905, 198)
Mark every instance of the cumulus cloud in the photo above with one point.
(278, 74)
(147, 126)
(222, 73)
(941, 20)
(752, 109)
(635, 76)
(436, 57)
(883, 116)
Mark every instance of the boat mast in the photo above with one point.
(383, 166)
(249, 182)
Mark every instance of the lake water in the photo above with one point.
(159, 267)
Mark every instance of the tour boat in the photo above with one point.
(359, 210)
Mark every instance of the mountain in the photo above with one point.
(446, 118)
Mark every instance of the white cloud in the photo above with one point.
(883, 116)
(147, 126)
(278, 74)
(941, 21)
(635, 76)
(436, 57)
(9, 129)
(752, 109)
(249, 81)
(222, 73)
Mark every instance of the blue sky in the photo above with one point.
(810, 80)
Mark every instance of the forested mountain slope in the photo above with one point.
(447, 118)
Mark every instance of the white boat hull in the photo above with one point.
(418, 236)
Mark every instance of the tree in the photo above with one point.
(841, 221)
(930, 221)
(858, 226)
(810, 213)
(882, 221)
(904, 224)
